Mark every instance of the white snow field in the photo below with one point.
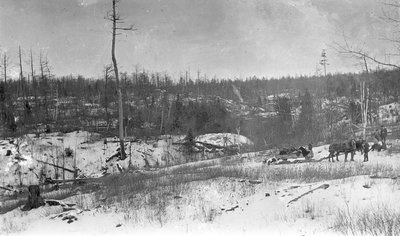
(236, 195)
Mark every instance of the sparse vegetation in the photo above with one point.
(146, 197)
(160, 116)
(377, 220)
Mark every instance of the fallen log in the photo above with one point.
(57, 166)
(324, 186)
(116, 155)
(383, 177)
(255, 181)
(8, 189)
(58, 181)
(231, 209)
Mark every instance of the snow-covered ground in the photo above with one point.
(232, 206)
(224, 139)
(91, 152)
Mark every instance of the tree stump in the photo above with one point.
(34, 198)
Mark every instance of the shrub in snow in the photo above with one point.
(68, 152)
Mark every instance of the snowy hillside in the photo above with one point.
(22, 159)
(245, 197)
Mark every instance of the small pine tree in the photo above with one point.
(305, 123)
(283, 127)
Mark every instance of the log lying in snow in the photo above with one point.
(59, 181)
(383, 177)
(57, 166)
(8, 189)
(255, 181)
(324, 186)
(116, 155)
(230, 209)
(278, 161)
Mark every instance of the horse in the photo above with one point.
(360, 145)
(346, 148)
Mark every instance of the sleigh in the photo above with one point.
(292, 153)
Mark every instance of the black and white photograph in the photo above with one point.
(200, 117)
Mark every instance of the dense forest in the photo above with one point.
(294, 110)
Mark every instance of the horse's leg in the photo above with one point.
(337, 156)
(345, 156)
(352, 155)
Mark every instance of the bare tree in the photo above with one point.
(116, 20)
(45, 74)
(361, 54)
(5, 63)
(107, 70)
(21, 75)
(324, 60)
(391, 17)
(34, 85)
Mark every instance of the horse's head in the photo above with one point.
(352, 143)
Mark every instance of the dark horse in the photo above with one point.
(346, 148)
(360, 145)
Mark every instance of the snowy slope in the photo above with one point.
(91, 153)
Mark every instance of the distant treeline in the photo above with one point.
(158, 104)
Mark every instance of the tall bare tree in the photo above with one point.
(107, 70)
(116, 20)
(5, 65)
(21, 75)
(34, 85)
(324, 60)
(391, 17)
(45, 74)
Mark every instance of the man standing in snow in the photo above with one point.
(383, 136)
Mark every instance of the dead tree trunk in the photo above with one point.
(34, 198)
(106, 70)
(21, 76)
(33, 79)
(115, 18)
(5, 63)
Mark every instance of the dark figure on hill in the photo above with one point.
(383, 136)
(47, 130)
(377, 135)
(189, 142)
(366, 150)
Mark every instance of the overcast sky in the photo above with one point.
(226, 38)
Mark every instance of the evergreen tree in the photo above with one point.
(283, 125)
(178, 114)
(305, 123)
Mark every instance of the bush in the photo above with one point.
(68, 152)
